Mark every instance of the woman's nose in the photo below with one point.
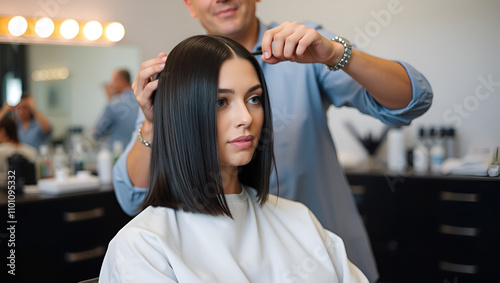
(243, 118)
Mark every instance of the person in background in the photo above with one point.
(117, 121)
(208, 214)
(10, 145)
(33, 127)
(308, 69)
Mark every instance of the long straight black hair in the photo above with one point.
(185, 172)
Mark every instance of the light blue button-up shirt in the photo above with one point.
(307, 164)
(33, 134)
(118, 119)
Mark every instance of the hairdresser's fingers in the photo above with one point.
(144, 86)
(295, 42)
(147, 70)
(145, 100)
(286, 41)
(306, 45)
(267, 44)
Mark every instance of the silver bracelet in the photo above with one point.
(141, 139)
(347, 54)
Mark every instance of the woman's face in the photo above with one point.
(240, 115)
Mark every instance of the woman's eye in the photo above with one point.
(221, 102)
(255, 99)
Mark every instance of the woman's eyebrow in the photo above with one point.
(255, 87)
(226, 90)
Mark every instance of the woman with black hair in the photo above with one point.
(208, 215)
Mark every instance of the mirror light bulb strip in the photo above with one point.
(68, 31)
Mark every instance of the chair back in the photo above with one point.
(21, 171)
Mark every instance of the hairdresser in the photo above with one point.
(307, 69)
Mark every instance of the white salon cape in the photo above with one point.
(279, 242)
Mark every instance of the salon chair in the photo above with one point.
(23, 172)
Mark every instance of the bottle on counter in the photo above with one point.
(437, 151)
(60, 162)
(396, 150)
(77, 159)
(421, 154)
(60, 158)
(105, 166)
(117, 150)
(494, 167)
(450, 143)
(44, 163)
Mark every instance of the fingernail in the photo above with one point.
(164, 58)
(266, 55)
(161, 66)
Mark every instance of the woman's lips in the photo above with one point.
(242, 142)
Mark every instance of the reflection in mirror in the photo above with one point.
(67, 82)
(79, 99)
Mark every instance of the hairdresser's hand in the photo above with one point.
(110, 91)
(143, 86)
(299, 43)
(6, 107)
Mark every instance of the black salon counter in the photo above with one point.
(423, 228)
(58, 238)
(430, 228)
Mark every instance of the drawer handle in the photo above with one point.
(460, 268)
(449, 196)
(358, 190)
(79, 256)
(84, 215)
(461, 231)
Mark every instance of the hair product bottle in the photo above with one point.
(105, 166)
(396, 150)
(421, 154)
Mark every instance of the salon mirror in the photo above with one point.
(66, 81)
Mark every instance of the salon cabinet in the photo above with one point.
(426, 228)
(60, 238)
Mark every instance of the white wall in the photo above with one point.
(452, 42)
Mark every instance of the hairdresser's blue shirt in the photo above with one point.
(118, 119)
(307, 163)
(33, 135)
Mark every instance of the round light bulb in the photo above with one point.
(36, 76)
(115, 31)
(63, 73)
(44, 27)
(69, 29)
(92, 30)
(18, 26)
